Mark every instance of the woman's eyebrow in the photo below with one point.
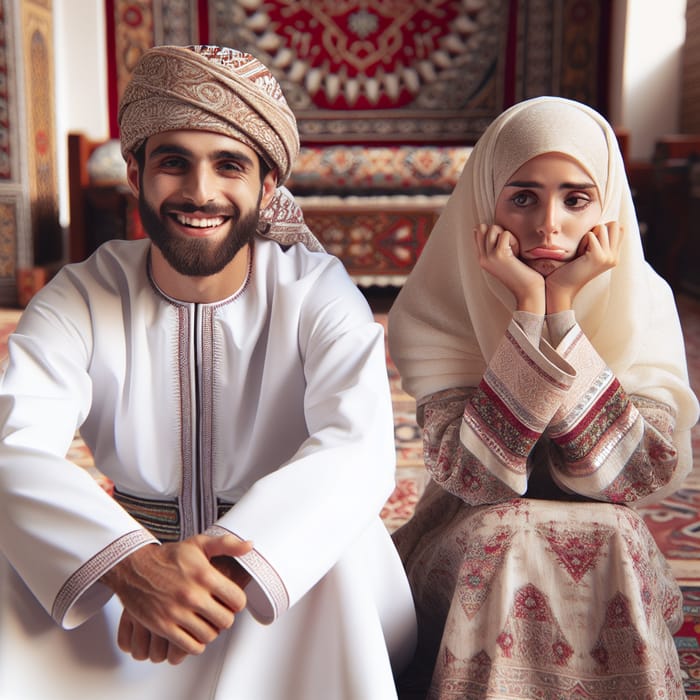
(533, 185)
(529, 184)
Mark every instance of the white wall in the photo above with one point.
(81, 79)
(651, 72)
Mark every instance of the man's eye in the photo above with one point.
(172, 163)
(230, 166)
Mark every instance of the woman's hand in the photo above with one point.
(598, 251)
(498, 252)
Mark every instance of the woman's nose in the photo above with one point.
(550, 223)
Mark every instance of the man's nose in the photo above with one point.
(199, 185)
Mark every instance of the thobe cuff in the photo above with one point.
(266, 593)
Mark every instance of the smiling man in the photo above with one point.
(210, 234)
(229, 378)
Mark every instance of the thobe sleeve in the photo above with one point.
(304, 515)
(58, 528)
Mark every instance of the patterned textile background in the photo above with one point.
(30, 234)
(385, 71)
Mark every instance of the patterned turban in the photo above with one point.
(209, 88)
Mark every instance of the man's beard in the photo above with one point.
(197, 257)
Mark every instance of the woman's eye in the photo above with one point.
(522, 199)
(577, 201)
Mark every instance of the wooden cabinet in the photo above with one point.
(670, 200)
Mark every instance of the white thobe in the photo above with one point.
(275, 400)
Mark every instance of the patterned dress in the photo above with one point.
(561, 593)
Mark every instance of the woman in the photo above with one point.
(548, 365)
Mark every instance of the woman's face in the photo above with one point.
(549, 204)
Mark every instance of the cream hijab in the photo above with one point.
(450, 315)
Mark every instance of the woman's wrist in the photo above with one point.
(558, 299)
(532, 303)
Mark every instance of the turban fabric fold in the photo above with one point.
(209, 88)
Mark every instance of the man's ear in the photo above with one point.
(269, 186)
(132, 174)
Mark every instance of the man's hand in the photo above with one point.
(175, 599)
(598, 251)
(135, 639)
(498, 252)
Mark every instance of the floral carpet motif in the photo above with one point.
(688, 641)
(385, 70)
(375, 170)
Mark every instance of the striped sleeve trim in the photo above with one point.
(592, 378)
(605, 397)
(517, 397)
(96, 567)
(526, 380)
(265, 576)
(490, 452)
(607, 460)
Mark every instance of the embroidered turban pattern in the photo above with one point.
(209, 88)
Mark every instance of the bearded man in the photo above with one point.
(230, 380)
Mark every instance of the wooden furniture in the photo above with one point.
(672, 242)
(101, 205)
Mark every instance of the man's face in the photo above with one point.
(199, 198)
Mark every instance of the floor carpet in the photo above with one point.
(675, 522)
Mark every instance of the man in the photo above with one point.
(230, 380)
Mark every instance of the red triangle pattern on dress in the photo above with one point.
(577, 552)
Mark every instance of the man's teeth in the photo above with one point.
(199, 223)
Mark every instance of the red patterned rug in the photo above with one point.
(687, 642)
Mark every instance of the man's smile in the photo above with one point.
(198, 222)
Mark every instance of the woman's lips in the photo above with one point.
(546, 254)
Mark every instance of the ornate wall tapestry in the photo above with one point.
(29, 228)
(43, 187)
(9, 225)
(389, 95)
(6, 76)
(388, 71)
(378, 70)
(134, 26)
